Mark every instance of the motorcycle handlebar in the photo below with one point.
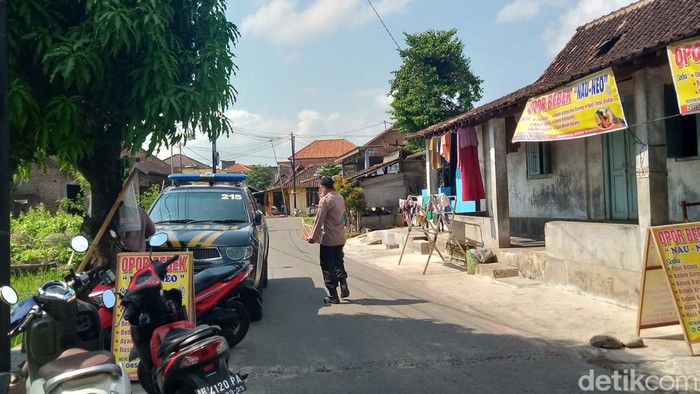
(161, 267)
(34, 312)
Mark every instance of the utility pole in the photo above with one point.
(279, 179)
(214, 157)
(294, 173)
(5, 194)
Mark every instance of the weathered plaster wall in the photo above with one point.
(598, 259)
(562, 195)
(683, 185)
(384, 190)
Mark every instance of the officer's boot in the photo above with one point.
(344, 291)
(332, 297)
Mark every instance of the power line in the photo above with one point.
(383, 24)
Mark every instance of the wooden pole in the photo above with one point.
(107, 221)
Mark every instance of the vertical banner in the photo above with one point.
(684, 59)
(584, 107)
(180, 276)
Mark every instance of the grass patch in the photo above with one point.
(27, 283)
(308, 220)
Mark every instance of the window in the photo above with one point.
(311, 196)
(539, 162)
(681, 131)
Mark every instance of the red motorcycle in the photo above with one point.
(218, 295)
(175, 356)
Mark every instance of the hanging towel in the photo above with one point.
(446, 146)
(434, 155)
(468, 163)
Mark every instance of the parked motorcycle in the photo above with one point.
(223, 297)
(175, 355)
(62, 338)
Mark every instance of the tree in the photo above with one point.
(259, 177)
(434, 82)
(90, 78)
(354, 198)
(330, 169)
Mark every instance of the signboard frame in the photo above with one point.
(684, 63)
(668, 248)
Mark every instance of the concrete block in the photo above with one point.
(555, 273)
(392, 246)
(375, 242)
(496, 270)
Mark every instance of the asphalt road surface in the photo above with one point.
(388, 337)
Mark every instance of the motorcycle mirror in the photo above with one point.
(79, 243)
(158, 239)
(8, 295)
(109, 299)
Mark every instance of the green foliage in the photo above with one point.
(353, 195)
(259, 177)
(330, 169)
(434, 82)
(38, 236)
(92, 77)
(147, 198)
(79, 204)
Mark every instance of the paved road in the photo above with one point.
(389, 337)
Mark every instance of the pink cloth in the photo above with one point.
(468, 163)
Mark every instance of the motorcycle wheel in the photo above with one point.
(254, 304)
(145, 379)
(235, 333)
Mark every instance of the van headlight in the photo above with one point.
(238, 253)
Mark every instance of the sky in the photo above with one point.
(322, 68)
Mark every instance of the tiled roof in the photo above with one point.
(238, 168)
(306, 175)
(186, 162)
(638, 30)
(150, 164)
(382, 144)
(325, 149)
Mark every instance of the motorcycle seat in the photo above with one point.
(179, 338)
(204, 279)
(74, 359)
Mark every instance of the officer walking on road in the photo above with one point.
(329, 229)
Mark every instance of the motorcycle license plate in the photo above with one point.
(223, 383)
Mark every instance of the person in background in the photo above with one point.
(135, 241)
(329, 231)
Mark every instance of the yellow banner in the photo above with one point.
(684, 59)
(180, 276)
(585, 107)
(679, 249)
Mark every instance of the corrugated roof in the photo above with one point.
(632, 32)
(325, 149)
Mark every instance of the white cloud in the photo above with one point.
(521, 10)
(285, 22)
(250, 141)
(579, 14)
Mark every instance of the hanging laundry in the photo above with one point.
(433, 152)
(445, 142)
(468, 163)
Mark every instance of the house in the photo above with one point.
(47, 186)
(590, 197)
(323, 151)
(186, 165)
(232, 167)
(399, 175)
(373, 152)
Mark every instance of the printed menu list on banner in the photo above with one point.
(180, 276)
(677, 248)
(684, 59)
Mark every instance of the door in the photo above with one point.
(621, 178)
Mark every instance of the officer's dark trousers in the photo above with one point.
(332, 267)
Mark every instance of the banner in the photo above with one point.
(684, 59)
(180, 276)
(582, 108)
